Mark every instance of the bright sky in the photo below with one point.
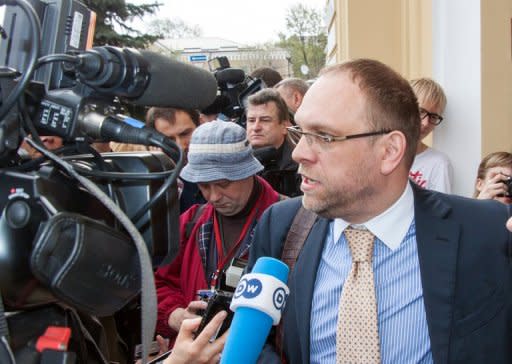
(243, 21)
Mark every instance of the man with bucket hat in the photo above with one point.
(212, 235)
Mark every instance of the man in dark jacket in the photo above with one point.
(267, 120)
(389, 273)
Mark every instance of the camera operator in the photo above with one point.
(494, 178)
(268, 75)
(221, 162)
(267, 119)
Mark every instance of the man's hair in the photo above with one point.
(295, 84)
(496, 159)
(429, 91)
(269, 75)
(169, 114)
(267, 95)
(390, 100)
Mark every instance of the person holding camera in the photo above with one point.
(267, 120)
(493, 180)
(212, 235)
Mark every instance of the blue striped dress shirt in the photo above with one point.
(402, 321)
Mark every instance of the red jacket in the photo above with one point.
(177, 283)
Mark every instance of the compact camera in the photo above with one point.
(219, 301)
(220, 298)
(508, 183)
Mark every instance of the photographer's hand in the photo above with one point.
(509, 224)
(492, 187)
(178, 315)
(189, 351)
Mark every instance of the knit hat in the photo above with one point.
(219, 150)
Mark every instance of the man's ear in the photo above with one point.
(393, 151)
(297, 98)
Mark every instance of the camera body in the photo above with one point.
(508, 183)
(220, 298)
(234, 87)
(219, 301)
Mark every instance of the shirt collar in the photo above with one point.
(389, 227)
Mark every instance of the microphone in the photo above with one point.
(230, 76)
(118, 128)
(145, 78)
(258, 302)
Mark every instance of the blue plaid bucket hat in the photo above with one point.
(219, 150)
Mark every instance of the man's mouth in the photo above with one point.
(308, 181)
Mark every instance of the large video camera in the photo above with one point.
(81, 233)
(234, 89)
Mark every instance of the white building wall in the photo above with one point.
(457, 67)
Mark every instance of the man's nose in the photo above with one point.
(257, 124)
(302, 151)
(215, 195)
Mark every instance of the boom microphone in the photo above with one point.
(258, 301)
(230, 76)
(145, 78)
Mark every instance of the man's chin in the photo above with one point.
(226, 211)
(318, 207)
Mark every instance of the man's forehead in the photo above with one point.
(178, 123)
(267, 107)
(332, 94)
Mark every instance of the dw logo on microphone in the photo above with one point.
(279, 298)
(248, 288)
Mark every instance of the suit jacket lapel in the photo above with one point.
(304, 280)
(438, 241)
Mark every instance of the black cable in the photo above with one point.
(27, 121)
(122, 175)
(26, 76)
(58, 57)
(100, 162)
(168, 148)
(35, 163)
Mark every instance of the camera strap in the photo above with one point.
(4, 329)
(6, 355)
(223, 260)
(295, 239)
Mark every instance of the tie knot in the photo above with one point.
(360, 242)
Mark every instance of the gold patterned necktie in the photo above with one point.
(357, 334)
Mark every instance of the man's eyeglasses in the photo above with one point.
(324, 139)
(433, 118)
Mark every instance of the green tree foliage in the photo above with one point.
(173, 28)
(112, 19)
(305, 39)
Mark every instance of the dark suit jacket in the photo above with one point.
(465, 262)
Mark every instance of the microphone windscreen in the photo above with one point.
(251, 324)
(230, 75)
(176, 84)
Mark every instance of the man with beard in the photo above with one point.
(390, 272)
